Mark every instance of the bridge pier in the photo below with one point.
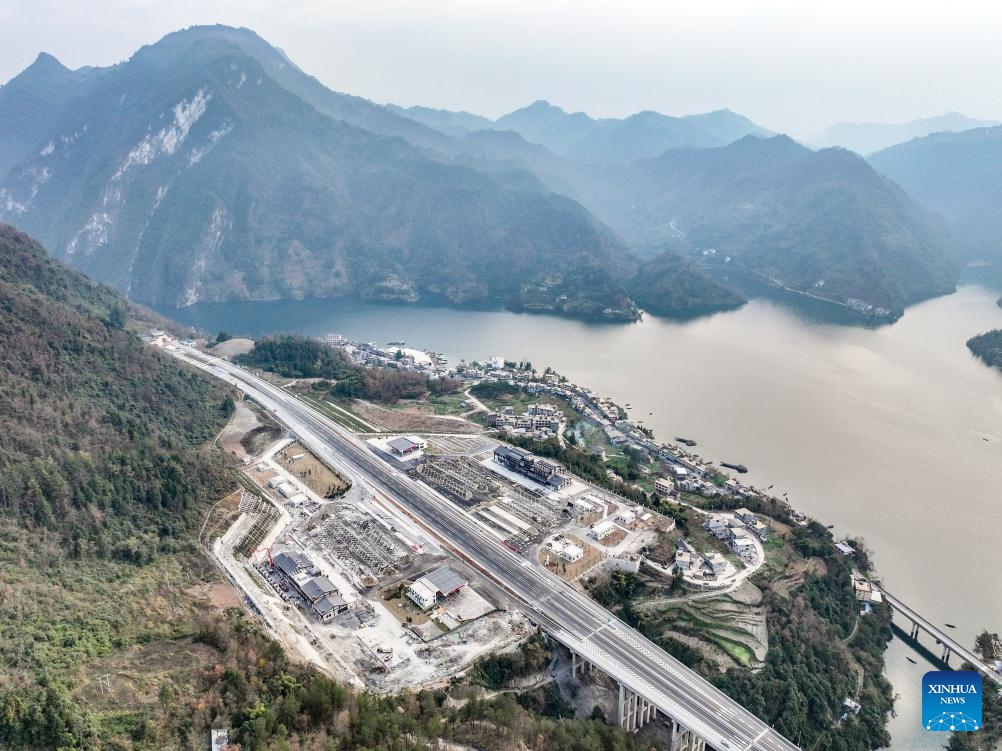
(914, 633)
(683, 739)
(945, 657)
(579, 665)
(634, 710)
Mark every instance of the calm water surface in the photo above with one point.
(881, 432)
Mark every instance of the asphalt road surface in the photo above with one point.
(568, 615)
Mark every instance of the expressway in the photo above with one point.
(568, 615)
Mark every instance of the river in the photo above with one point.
(892, 433)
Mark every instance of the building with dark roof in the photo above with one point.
(407, 444)
(291, 563)
(525, 463)
(445, 581)
(329, 606)
(318, 588)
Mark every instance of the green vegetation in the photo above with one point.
(666, 280)
(820, 650)
(500, 670)
(101, 478)
(105, 483)
(958, 175)
(295, 356)
(806, 217)
(988, 347)
(988, 737)
(582, 463)
(100, 433)
(351, 211)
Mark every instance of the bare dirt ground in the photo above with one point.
(412, 420)
(313, 473)
(218, 595)
(134, 674)
(233, 347)
(243, 421)
(566, 570)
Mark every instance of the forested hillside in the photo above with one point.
(100, 433)
(109, 638)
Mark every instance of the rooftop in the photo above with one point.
(444, 580)
(402, 444)
(329, 603)
(319, 587)
(292, 563)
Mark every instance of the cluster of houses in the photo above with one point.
(317, 591)
(393, 355)
(690, 562)
(526, 464)
(738, 530)
(541, 420)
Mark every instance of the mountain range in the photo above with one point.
(867, 138)
(960, 176)
(209, 167)
(575, 135)
(776, 211)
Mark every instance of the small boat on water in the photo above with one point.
(950, 625)
(770, 487)
(913, 662)
(736, 467)
(687, 441)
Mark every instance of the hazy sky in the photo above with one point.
(793, 66)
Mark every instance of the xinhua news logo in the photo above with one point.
(951, 700)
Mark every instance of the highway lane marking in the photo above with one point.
(576, 606)
(757, 739)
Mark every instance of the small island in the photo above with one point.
(988, 347)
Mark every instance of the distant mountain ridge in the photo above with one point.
(209, 167)
(867, 138)
(196, 171)
(575, 135)
(824, 222)
(960, 176)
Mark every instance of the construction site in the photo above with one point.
(521, 516)
(346, 580)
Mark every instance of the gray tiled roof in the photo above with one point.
(445, 580)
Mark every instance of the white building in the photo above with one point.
(718, 564)
(745, 515)
(626, 517)
(717, 526)
(569, 551)
(663, 485)
(744, 547)
(601, 530)
(422, 594)
(685, 561)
